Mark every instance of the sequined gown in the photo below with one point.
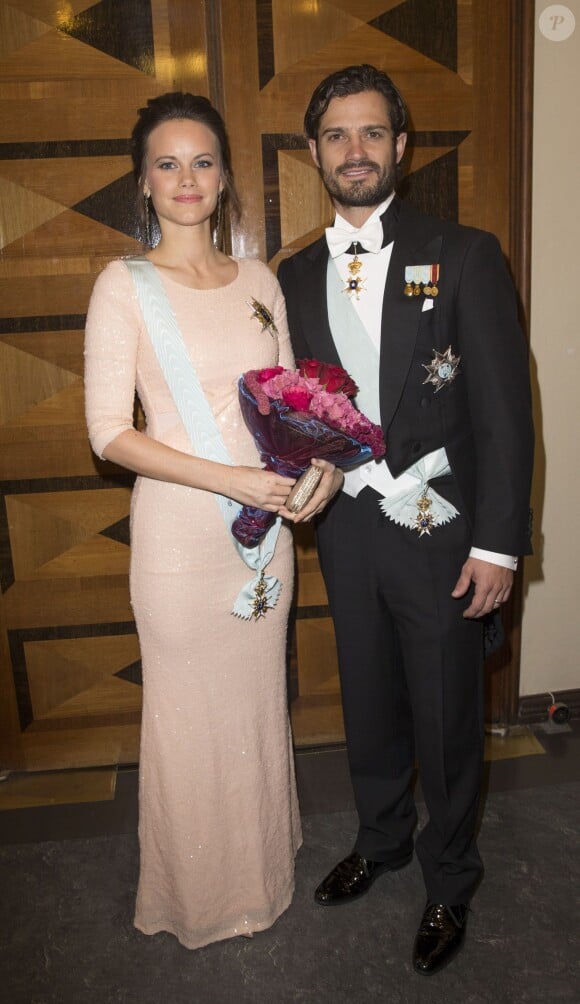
(218, 817)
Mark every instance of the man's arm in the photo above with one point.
(494, 366)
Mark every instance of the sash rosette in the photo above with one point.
(295, 415)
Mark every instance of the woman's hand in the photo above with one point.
(256, 487)
(330, 483)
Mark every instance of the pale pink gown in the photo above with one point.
(218, 822)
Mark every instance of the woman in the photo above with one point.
(219, 824)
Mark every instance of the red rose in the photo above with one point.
(335, 379)
(332, 377)
(297, 398)
(308, 367)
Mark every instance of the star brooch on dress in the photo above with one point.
(264, 316)
(442, 370)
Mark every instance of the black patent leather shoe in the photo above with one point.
(440, 936)
(351, 878)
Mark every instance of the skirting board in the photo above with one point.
(534, 707)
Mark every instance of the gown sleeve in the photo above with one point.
(112, 334)
(286, 356)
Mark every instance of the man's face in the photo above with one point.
(356, 151)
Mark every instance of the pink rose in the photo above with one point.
(267, 374)
(297, 398)
(279, 383)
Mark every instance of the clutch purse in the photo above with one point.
(304, 489)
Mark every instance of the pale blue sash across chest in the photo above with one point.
(356, 351)
(198, 419)
(360, 357)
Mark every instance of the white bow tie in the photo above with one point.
(369, 236)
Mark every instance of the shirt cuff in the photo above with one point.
(505, 560)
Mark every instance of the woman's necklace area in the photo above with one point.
(223, 272)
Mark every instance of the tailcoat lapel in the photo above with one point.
(416, 243)
(313, 303)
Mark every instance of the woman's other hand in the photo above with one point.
(262, 489)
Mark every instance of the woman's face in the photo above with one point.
(182, 173)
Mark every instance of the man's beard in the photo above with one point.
(360, 193)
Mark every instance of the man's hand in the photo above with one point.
(493, 585)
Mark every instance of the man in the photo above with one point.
(417, 549)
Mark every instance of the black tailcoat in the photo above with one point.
(482, 418)
(410, 663)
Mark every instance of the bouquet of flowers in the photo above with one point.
(295, 415)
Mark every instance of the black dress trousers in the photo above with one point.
(411, 673)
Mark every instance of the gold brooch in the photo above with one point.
(264, 316)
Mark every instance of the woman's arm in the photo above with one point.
(248, 485)
(112, 336)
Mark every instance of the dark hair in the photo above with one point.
(355, 80)
(181, 105)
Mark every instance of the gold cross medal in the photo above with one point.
(355, 284)
(260, 605)
(425, 521)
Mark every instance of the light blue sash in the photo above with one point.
(262, 591)
(358, 355)
(355, 349)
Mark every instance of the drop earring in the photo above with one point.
(147, 215)
(217, 234)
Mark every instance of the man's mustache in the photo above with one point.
(349, 164)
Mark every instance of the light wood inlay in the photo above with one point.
(26, 791)
(302, 28)
(17, 30)
(300, 186)
(61, 179)
(53, 12)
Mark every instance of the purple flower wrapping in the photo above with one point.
(287, 441)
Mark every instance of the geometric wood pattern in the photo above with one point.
(433, 49)
(72, 77)
(74, 675)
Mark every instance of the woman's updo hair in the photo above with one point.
(180, 105)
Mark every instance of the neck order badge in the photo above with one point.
(355, 283)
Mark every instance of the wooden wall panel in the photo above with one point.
(72, 77)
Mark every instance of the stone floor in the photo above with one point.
(66, 905)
